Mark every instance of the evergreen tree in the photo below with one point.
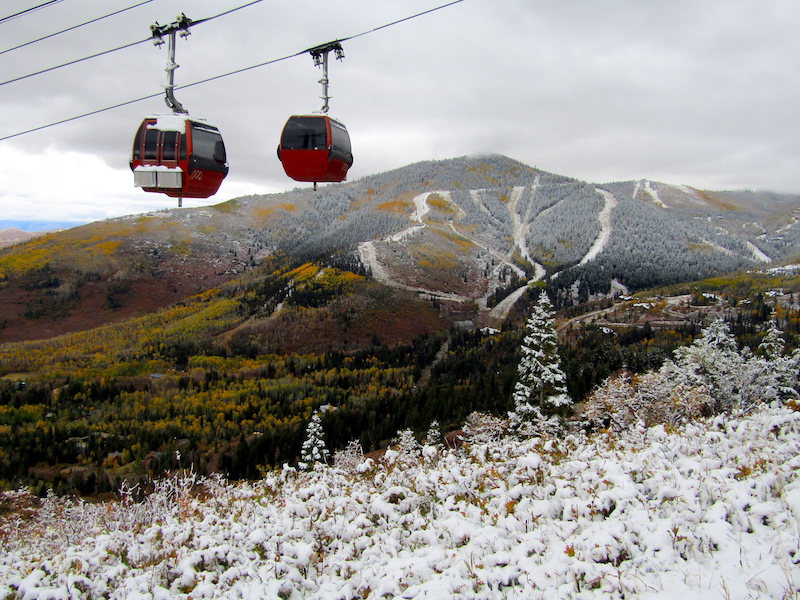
(772, 345)
(434, 435)
(541, 385)
(314, 450)
(713, 360)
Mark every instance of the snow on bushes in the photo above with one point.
(708, 509)
(660, 502)
(709, 376)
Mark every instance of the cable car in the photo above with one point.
(180, 156)
(315, 148)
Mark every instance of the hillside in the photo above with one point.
(708, 509)
(11, 236)
(223, 329)
(229, 378)
(467, 232)
(144, 360)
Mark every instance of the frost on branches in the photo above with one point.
(738, 379)
(541, 386)
(710, 376)
(313, 450)
(707, 511)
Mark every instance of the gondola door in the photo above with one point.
(156, 159)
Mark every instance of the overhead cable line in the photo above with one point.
(52, 35)
(148, 97)
(223, 75)
(403, 20)
(29, 10)
(85, 58)
(75, 62)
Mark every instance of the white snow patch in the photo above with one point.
(709, 509)
(718, 247)
(694, 197)
(757, 253)
(605, 227)
(650, 190)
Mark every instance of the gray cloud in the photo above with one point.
(702, 93)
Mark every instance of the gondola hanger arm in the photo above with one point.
(320, 56)
(180, 27)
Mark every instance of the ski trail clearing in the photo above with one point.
(605, 228)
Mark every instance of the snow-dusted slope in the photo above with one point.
(605, 227)
(709, 511)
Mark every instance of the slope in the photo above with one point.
(709, 508)
(467, 232)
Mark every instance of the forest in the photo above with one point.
(208, 337)
(226, 381)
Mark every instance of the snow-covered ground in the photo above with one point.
(605, 227)
(757, 253)
(368, 253)
(708, 510)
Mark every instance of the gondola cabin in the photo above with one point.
(315, 148)
(178, 156)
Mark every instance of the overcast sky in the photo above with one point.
(704, 93)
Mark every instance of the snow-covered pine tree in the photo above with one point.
(713, 360)
(541, 384)
(772, 345)
(314, 450)
(434, 435)
(738, 379)
(776, 373)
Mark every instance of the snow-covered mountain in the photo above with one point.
(470, 231)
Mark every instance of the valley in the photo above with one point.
(392, 301)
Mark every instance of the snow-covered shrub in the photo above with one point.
(482, 428)
(738, 380)
(405, 450)
(349, 459)
(707, 510)
(610, 405)
(712, 375)
(652, 398)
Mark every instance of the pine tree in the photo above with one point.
(434, 436)
(541, 385)
(314, 450)
(772, 345)
(713, 360)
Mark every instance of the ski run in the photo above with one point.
(707, 510)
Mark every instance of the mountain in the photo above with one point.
(11, 236)
(464, 235)
(208, 337)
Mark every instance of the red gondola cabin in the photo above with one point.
(178, 156)
(315, 148)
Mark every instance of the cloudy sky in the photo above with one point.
(696, 92)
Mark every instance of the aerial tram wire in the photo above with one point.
(73, 62)
(74, 27)
(123, 47)
(221, 75)
(29, 10)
